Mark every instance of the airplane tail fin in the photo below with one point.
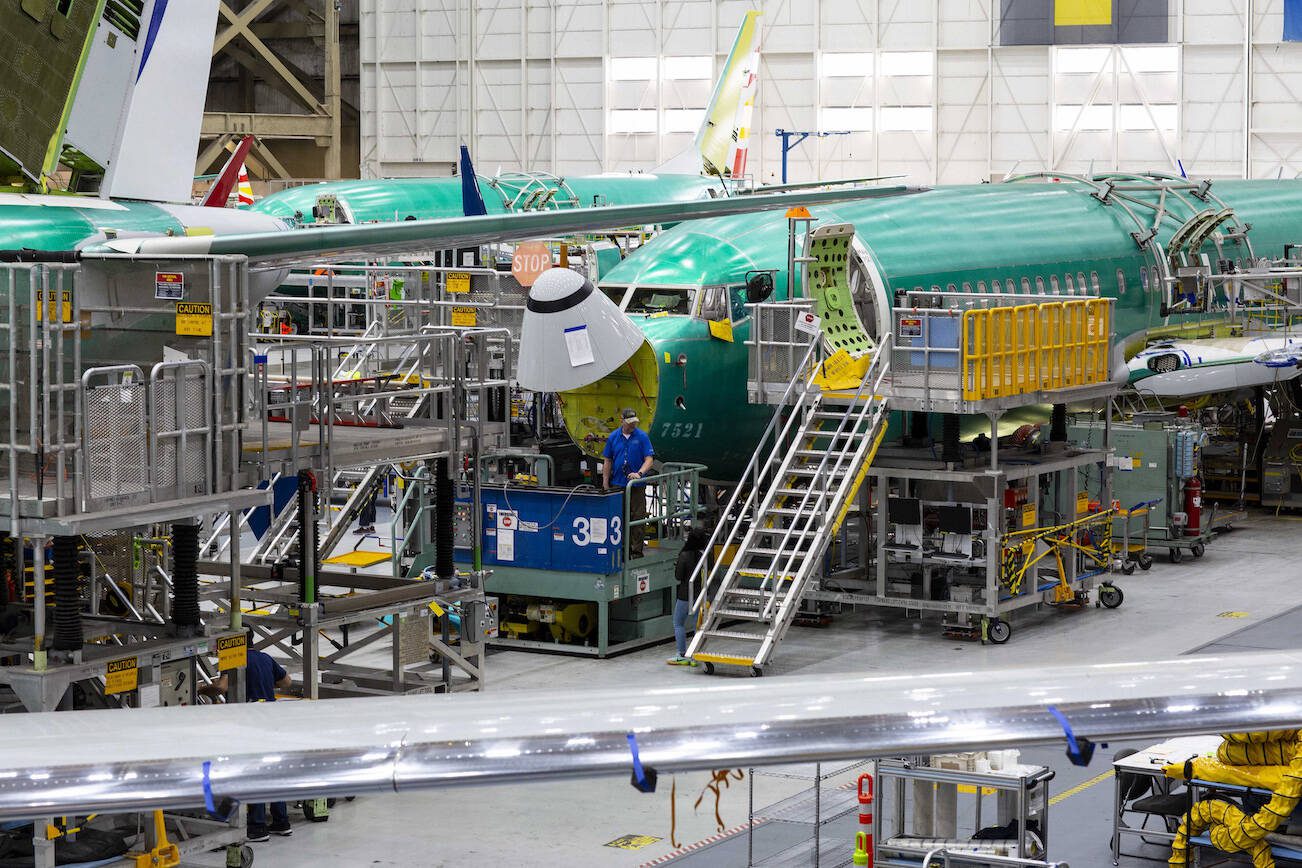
(721, 144)
(148, 150)
(472, 202)
(232, 173)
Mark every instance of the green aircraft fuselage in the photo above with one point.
(389, 199)
(1023, 238)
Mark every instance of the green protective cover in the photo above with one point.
(38, 68)
(829, 247)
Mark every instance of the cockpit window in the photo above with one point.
(659, 299)
(737, 303)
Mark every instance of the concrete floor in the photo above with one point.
(1248, 577)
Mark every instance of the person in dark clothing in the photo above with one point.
(263, 675)
(693, 551)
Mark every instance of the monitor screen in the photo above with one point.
(956, 519)
(904, 510)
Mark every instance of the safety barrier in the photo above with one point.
(1027, 348)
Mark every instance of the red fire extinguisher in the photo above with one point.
(1193, 506)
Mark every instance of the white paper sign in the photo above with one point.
(507, 520)
(808, 323)
(579, 346)
(597, 530)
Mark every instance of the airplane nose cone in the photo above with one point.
(572, 335)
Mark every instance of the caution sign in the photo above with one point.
(1082, 502)
(1028, 515)
(169, 285)
(633, 842)
(232, 652)
(122, 676)
(458, 281)
(59, 304)
(910, 328)
(464, 316)
(194, 318)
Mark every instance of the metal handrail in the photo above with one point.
(848, 424)
(752, 469)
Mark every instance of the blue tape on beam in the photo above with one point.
(207, 788)
(638, 772)
(1079, 751)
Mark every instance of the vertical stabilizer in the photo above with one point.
(720, 147)
(232, 174)
(152, 157)
(472, 201)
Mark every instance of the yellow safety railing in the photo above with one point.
(1032, 347)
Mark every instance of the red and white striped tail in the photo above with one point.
(245, 188)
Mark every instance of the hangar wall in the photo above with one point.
(584, 86)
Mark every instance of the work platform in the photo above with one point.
(1014, 530)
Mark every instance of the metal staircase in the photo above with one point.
(789, 506)
(281, 538)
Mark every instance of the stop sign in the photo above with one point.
(531, 259)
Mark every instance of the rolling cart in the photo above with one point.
(1131, 547)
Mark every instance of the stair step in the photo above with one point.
(744, 614)
(761, 550)
(750, 593)
(734, 634)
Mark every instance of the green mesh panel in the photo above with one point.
(828, 285)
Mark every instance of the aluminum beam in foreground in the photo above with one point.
(77, 762)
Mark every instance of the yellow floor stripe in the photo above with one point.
(1080, 788)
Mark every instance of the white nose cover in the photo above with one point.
(572, 335)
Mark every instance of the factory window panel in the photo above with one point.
(1026, 286)
(1163, 117)
(1121, 282)
(847, 64)
(1094, 282)
(633, 120)
(906, 62)
(632, 68)
(1054, 285)
(1082, 117)
(1039, 285)
(688, 68)
(849, 119)
(1152, 58)
(906, 119)
(682, 120)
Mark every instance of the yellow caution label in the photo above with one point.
(1082, 13)
(194, 318)
(1232, 615)
(1028, 515)
(464, 316)
(1082, 502)
(458, 281)
(122, 676)
(633, 842)
(721, 329)
(232, 652)
(64, 301)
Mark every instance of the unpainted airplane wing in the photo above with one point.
(411, 235)
(85, 761)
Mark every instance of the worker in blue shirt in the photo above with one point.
(262, 676)
(626, 460)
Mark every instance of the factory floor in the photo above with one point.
(1238, 597)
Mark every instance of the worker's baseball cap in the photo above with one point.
(629, 415)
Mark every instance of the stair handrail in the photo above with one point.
(864, 409)
(800, 378)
